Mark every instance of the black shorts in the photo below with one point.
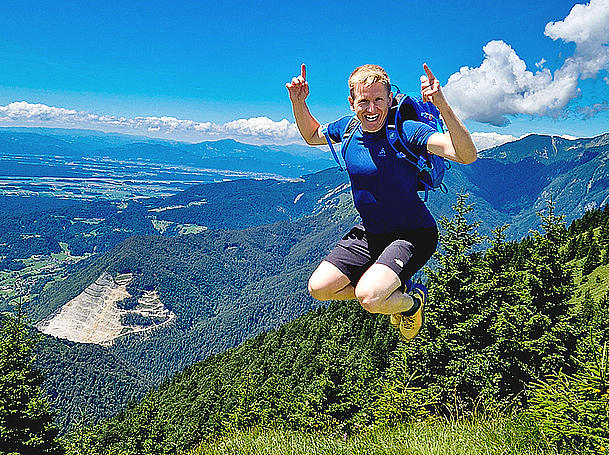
(405, 253)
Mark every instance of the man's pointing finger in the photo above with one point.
(430, 75)
(303, 71)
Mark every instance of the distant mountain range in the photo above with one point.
(507, 184)
(286, 161)
(512, 182)
(246, 271)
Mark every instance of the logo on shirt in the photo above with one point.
(400, 155)
(382, 152)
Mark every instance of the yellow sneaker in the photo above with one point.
(413, 320)
(395, 320)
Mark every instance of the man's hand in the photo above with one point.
(309, 128)
(430, 87)
(299, 87)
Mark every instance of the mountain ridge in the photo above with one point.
(547, 148)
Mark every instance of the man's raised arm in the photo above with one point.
(457, 145)
(309, 128)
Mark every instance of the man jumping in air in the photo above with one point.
(375, 261)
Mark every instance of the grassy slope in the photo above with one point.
(497, 435)
(597, 282)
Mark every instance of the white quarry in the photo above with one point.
(95, 317)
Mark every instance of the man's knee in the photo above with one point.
(321, 286)
(328, 283)
(368, 298)
(375, 287)
(317, 289)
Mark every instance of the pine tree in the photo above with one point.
(504, 298)
(550, 339)
(495, 319)
(593, 258)
(452, 285)
(452, 333)
(603, 237)
(26, 423)
(551, 279)
(572, 249)
(583, 245)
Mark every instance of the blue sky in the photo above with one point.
(204, 70)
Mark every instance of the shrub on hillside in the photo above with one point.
(572, 411)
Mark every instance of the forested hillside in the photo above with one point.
(223, 286)
(85, 382)
(498, 321)
(256, 242)
(241, 204)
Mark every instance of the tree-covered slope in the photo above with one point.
(223, 286)
(240, 204)
(86, 382)
(329, 358)
(498, 320)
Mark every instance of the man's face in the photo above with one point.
(371, 105)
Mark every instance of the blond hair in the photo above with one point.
(368, 75)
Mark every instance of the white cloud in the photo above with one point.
(593, 109)
(588, 27)
(503, 87)
(36, 112)
(262, 127)
(487, 140)
(257, 129)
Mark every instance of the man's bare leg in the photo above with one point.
(328, 283)
(378, 291)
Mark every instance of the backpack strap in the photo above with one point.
(324, 130)
(347, 135)
(394, 120)
(353, 125)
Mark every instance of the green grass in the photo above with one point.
(597, 282)
(500, 435)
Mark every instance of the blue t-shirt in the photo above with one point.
(384, 186)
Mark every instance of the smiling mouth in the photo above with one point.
(371, 118)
